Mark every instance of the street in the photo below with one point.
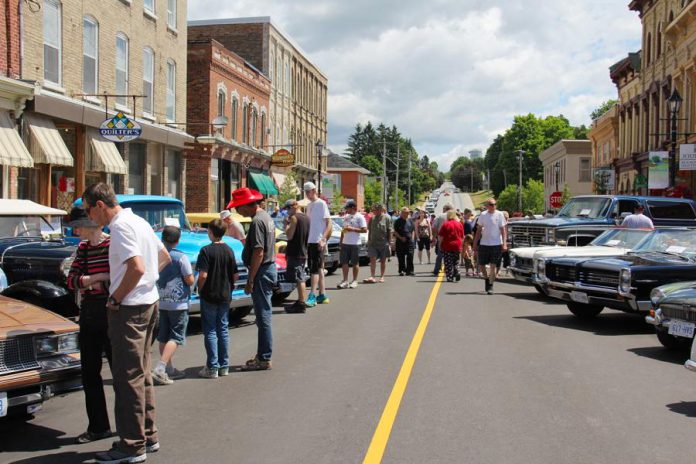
(503, 378)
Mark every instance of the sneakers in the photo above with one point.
(296, 308)
(353, 284)
(176, 374)
(311, 301)
(689, 364)
(208, 373)
(150, 447)
(256, 364)
(323, 299)
(114, 456)
(88, 437)
(343, 284)
(161, 377)
(223, 372)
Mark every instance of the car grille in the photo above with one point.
(528, 235)
(334, 247)
(524, 263)
(597, 278)
(680, 312)
(17, 354)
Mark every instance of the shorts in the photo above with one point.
(424, 243)
(172, 325)
(380, 252)
(489, 254)
(350, 254)
(295, 271)
(315, 258)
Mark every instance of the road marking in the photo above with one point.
(381, 436)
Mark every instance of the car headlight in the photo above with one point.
(513, 259)
(625, 281)
(540, 267)
(53, 345)
(66, 264)
(656, 295)
(550, 236)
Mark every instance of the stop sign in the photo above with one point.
(555, 199)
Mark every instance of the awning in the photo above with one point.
(104, 156)
(263, 183)
(27, 208)
(280, 180)
(46, 145)
(12, 149)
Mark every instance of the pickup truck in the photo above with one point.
(585, 217)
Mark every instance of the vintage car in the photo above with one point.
(199, 222)
(624, 283)
(338, 228)
(674, 314)
(331, 251)
(39, 356)
(613, 242)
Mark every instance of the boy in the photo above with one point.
(174, 286)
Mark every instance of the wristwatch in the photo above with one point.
(113, 301)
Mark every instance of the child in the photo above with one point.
(468, 254)
(174, 285)
(217, 269)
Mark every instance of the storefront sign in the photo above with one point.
(120, 128)
(687, 157)
(283, 158)
(658, 170)
(605, 178)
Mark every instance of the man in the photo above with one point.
(354, 224)
(319, 233)
(490, 242)
(136, 257)
(378, 232)
(404, 231)
(637, 220)
(436, 229)
(234, 228)
(297, 230)
(259, 258)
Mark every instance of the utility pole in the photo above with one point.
(519, 188)
(409, 178)
(398, 159)
(384, 172)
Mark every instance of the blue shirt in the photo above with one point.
(173, 291)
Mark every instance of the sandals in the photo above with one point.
(369, 280)
(257, 364)
(381, 280)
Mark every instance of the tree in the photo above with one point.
(603, 108)
(337, 203)
(533, 196)
(372, 164)
(373, 193)
(288, 190)
(507, 199)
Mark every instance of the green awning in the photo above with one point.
(263, 183)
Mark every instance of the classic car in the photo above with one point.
(624, 283)
(39, 356)
(613, 242)
(199, 223)
(674, 314)
(585, 217)
(338, 227)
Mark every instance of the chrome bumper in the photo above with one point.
(608, 297)
(523, 275)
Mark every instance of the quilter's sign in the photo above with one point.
(687, 157)
(120, 128)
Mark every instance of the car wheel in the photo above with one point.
(237, 314)
(280, 297)
(539, 289)
(670, 341)
(584, 311)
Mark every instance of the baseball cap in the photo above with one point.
(309, 186)
(351, 204)
(290, 203)
(225, 213)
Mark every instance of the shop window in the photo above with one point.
(148, 80)
(52, 41)
(155, 162)
(173, 173)
(137, 155)
(28, 184)
(90, 55)
(122, 69)
(171, 91)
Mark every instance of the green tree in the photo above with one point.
(372, 164)
(337, 203)
(373, 193)
(507, 199)
(566, 195)
(603, 108)
(533, 196)
(288, 190)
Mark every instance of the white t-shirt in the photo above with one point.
(318, 212)
(356, 220)
(637, 221)
(132, 236)
(491, 223)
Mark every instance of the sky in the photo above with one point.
(451, 74)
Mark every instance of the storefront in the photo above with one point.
(15, 158)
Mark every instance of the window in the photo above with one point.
(245, 123)
(52, 41)
(665, 209)
(173, 173)
(221, 103)
(235, 110)
(148, 80)
(288, 79)
(149, 6)
(121, 68)
(90, 58)
(215, 184)
(171, 90)
(254, 127)
(136, 167)
(262, 143)
(585, 170)
(171, 13)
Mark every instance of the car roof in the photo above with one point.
(637, 197)
(140, 199)
(27, 208)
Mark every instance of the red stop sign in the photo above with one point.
(555, 199)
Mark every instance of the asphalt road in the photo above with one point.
(460, 201)
(507, 378)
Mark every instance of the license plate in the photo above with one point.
(3, 404)
(286, 287)
(579, 297)
(682, 329)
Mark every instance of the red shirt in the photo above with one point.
(452, 233)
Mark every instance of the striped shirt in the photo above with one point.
(89, 260)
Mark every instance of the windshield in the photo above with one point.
(624, 238)
(29, 226)
(591, 207)
(676, 242)
(338, 221)
(160, 215)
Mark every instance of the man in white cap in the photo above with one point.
(319, 233)
(234, 228)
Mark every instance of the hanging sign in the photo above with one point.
(687, 157)
(658, 170)
(605, 178)
(283, 158)
(120, 128)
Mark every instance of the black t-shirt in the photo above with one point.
(297, 246)
(217, 259)
(405, 228)
(261, 235)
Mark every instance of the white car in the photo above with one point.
(338, 228)
(527, 263)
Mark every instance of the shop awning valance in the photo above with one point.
(263, 183)
(45, 144)
(104, 156)
(13, 152)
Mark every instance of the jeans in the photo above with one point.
(264, 281)
(216, 337)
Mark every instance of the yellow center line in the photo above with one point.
(381, 436)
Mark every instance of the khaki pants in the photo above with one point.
(131, 332)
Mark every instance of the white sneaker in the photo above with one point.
(161, 378)
(343, 284)
(691, 365)
(353, 284)
(208, 373)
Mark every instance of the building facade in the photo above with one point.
(91, 61)
(567, 164)
(298, 100)
(350, 178)
(225, 89)
(604, 135)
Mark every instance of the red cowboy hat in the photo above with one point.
(244, 196)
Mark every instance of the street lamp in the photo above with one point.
(557, 172)
(320, 148)
(674, 104)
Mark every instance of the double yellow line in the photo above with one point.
(381, 436)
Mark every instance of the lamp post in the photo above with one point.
(320, 147)
(674, 104)
(557, 172)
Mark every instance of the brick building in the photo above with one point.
(350, 177)
(221, 84)
(78, 51)
(298, 100)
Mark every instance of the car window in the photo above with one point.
(591, 207)
(23, 226)
(159, 215)
(624, 206)
(660, 209)
(625, 238)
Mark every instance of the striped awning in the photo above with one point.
(12, 149)
(45, 144)
(104, 156)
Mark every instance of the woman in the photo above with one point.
(452, 233)
(89, 276)
(424, 238)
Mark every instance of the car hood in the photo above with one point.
(679, 293)
(192, 242)
(587, 251)
(57, 249)
(20, 318)
(558, 221)
(528, 252)
(628, 260)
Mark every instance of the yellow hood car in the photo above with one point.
(201, 220)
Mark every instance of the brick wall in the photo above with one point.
(244, 39)
(10, 39)
(197, 180)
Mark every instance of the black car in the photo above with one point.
(588, 285)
